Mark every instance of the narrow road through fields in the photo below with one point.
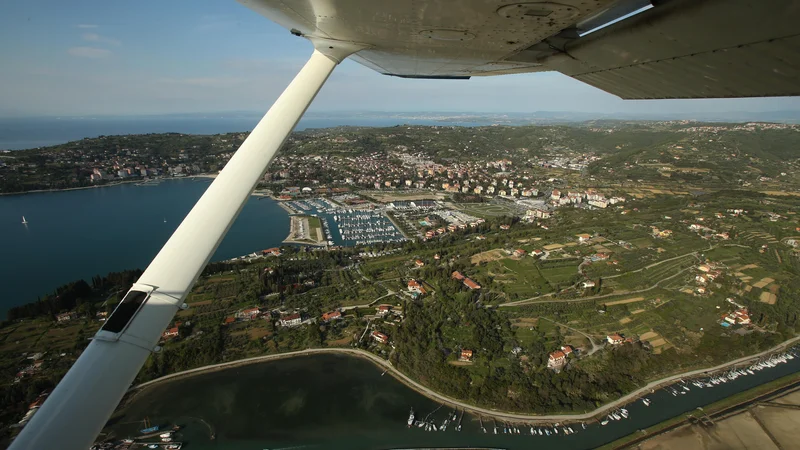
(595, 346)
(586, 299)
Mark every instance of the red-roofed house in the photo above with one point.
(615, 339)
(471, 284)
(419, 263)
(380, 337)
(333, 315)
(229, 320)
(274, 251)
(458, 276)
(384, 310)
(466, 355)
(38, 402)
(67, 316)
(292, 320)
(416, 286)
(556, 359)
(248, 314)
(519, 252)
(567, 349)
(170, 333)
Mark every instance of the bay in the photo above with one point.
(81, 233)
(343, 402)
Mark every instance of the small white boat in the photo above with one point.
(25, 222)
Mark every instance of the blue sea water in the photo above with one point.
(81, 233)
(23, 133)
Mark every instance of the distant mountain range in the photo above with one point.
(787, 116)
(516, 118)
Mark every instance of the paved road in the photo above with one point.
(347, 308)
(502, 415)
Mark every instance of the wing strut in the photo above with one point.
(76, 411)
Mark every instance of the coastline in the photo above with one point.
(112, 184)
(451, 402)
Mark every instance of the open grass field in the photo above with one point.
(768, 297)
(763, 282)
(627, 300)
(557, 275)
(491, 255)
(315, 228)
(484, 210)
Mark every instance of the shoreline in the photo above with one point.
(451, 402)
(112, 184)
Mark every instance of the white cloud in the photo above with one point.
(89, 52)
(94, 37)
(86, 26)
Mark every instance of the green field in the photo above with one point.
(314, 224)
(485, 210)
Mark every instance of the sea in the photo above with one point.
(25, 133)
(77, 234)
(343, 402)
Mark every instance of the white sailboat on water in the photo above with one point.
(24, 222)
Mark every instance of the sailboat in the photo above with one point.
(24, 222)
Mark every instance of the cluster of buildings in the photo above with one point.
(708, 233)
(707, 273)
(590, 197)
(456, 220)
(110, 158)
(33, 408)
(34, 367)
(738, 317)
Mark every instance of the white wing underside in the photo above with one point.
(677, 49)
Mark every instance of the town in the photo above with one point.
(478, 261)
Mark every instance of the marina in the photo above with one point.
(622, 413)
(404, 417)
(341, 225)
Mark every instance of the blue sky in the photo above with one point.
(92, 57)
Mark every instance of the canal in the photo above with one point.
(344, 402)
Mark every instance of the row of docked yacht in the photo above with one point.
(366, 227)
(736, 372)
(552, 430)
(617, 414)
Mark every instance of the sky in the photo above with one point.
(94, 57)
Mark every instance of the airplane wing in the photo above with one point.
(671, 49)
